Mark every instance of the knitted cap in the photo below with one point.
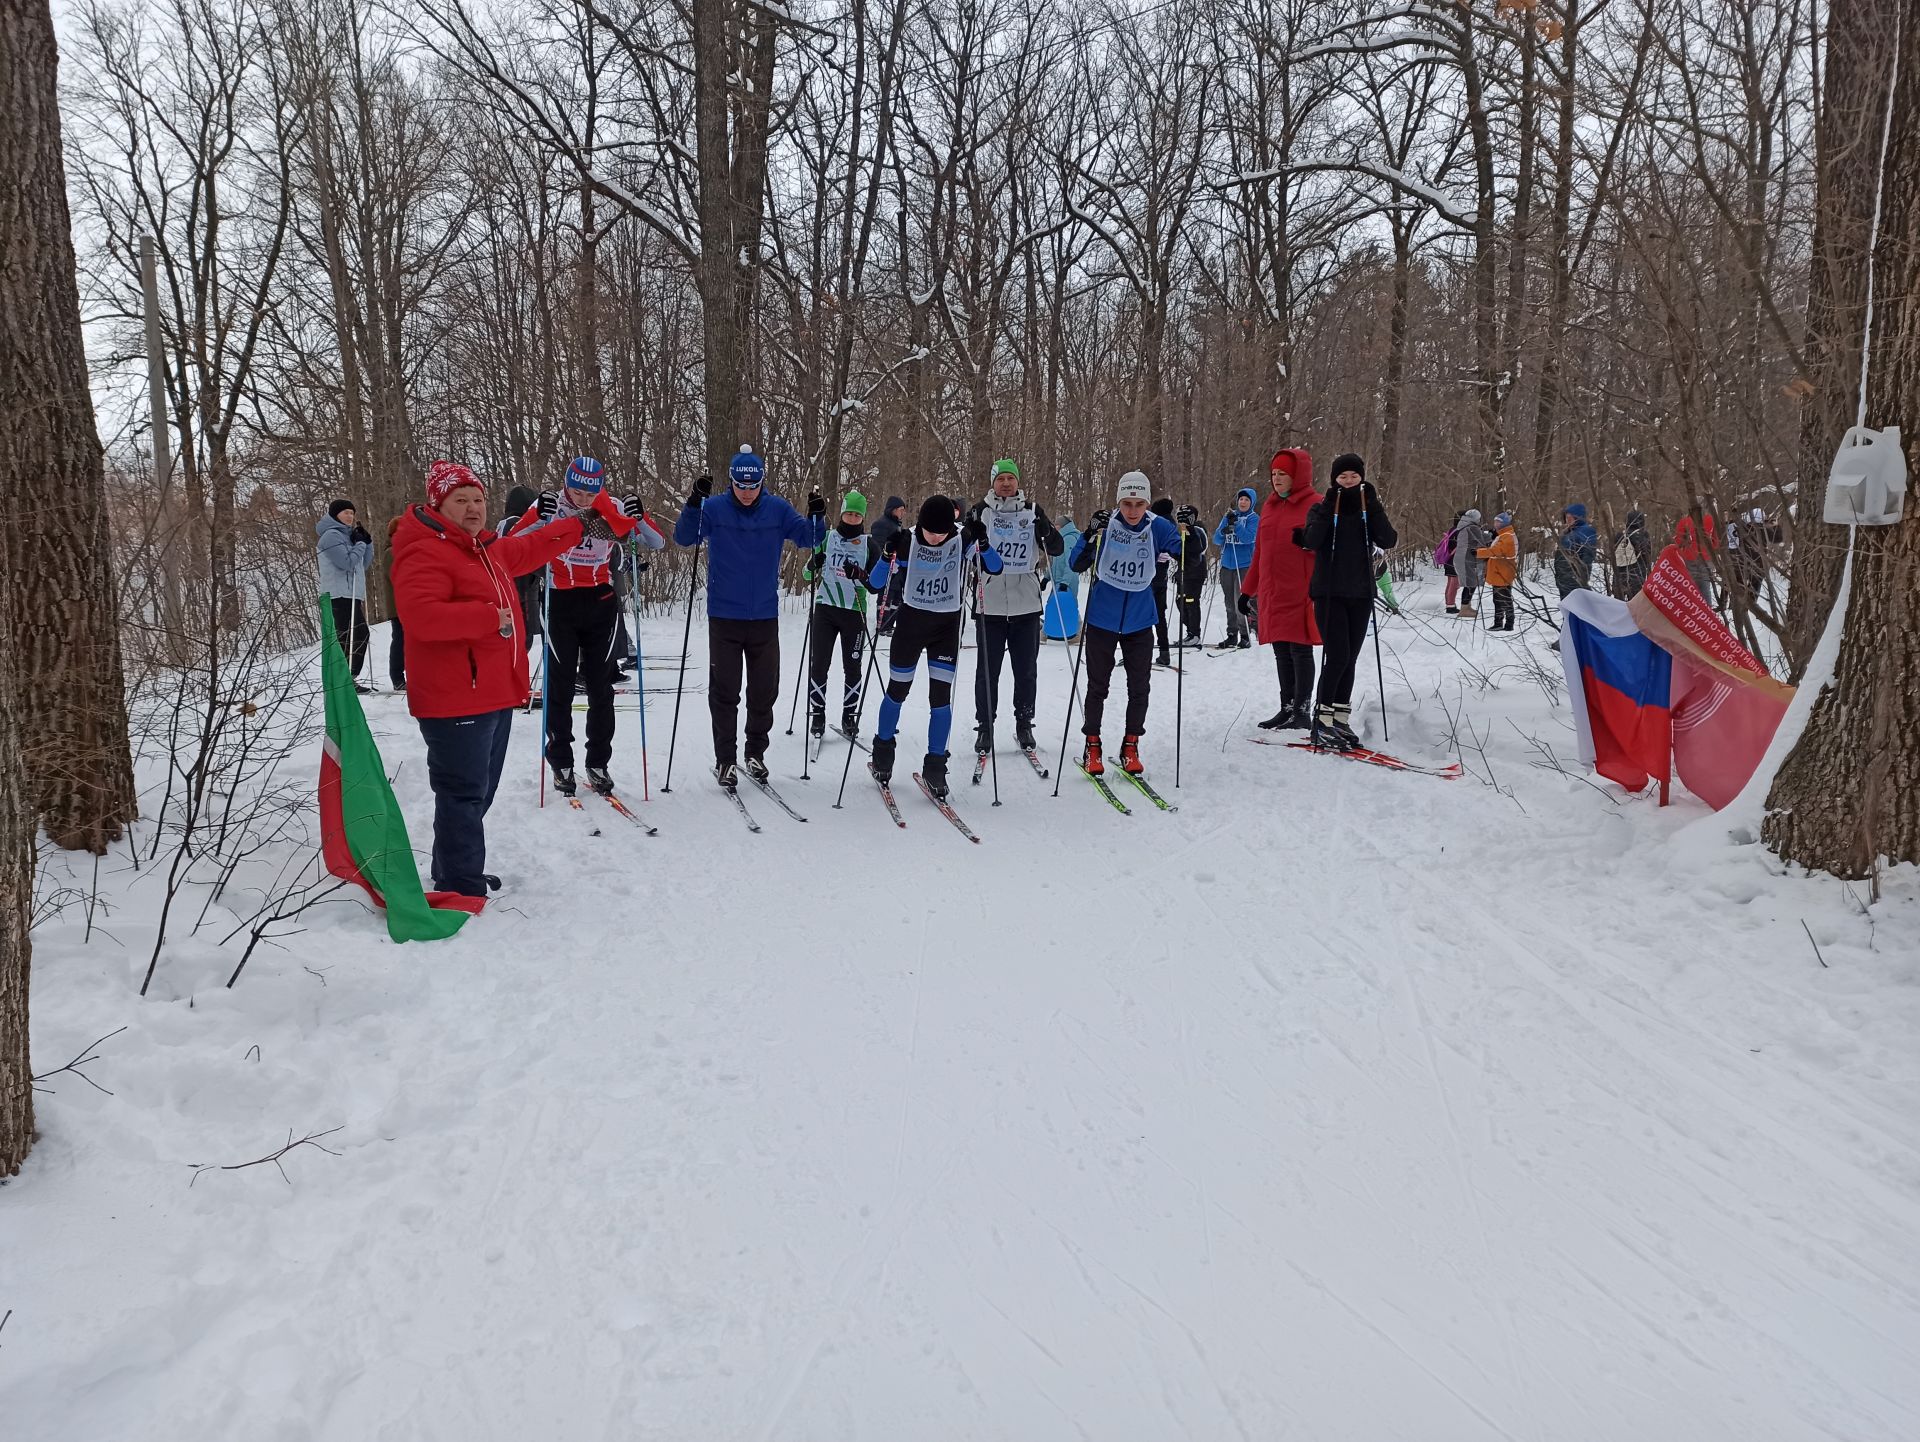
(1134, 486)
(343, 504)
(1003, 468)
(1505, 518)
(939, 514)
(584, 473)
(746, 468)
(856, 503)
(1348, 462)
(445, 477)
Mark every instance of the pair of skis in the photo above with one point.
(1450, 772)
(944, 807)
(981, 759)
(617, 804)
(1140, 784)
(733, 795)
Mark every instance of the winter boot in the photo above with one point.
(1341, 715)
(756, 767)
(1130, 757)
(1023, 733)
(933, 771)
(1227, 645)
(1091, 760)
(563, 780)
(1300, 719)
(727, 774)
(1245, 643)
(982, 740)
(1324, 735)
(599, 780)
(1166, 658)
(1279, 720)
(492, 881)
(883, 759)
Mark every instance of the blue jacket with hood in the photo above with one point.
(743, 550)
(1110, 608)
(1234, 535)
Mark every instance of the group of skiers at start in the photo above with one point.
(1308, 580)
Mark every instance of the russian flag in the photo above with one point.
(1621, 687)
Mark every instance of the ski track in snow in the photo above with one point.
(1341, 1104)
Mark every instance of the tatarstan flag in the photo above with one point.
(363, 836)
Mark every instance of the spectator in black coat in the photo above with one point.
(1342, 531)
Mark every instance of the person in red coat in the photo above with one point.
(467, 649)
(1274, 589)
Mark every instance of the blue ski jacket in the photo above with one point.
(1234, 535)
(1109, 608)
(743, 551)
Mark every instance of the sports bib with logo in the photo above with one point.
(933, 576)
(1126, 557)
(1011, 533)
(836, 589)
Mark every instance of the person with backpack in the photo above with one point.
(1502, 559)
(1235, 536)
(1470, 538)
(1342, 531)
(1632, 558)
(1274, 593)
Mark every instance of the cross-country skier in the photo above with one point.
(1273, 592)
(1007, 604)
(1121, 548)
(932, 559)
(1236, 534)
(1342, 531)
(893, 520)
(744, 531)
(583, 625)
(467, 648)
(1193, 573)
(839, 571)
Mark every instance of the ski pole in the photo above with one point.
(546, 655)
(860, 707)
(640, 672)
(1179, 676)
(1373, 617)
(686, 636)
(1073, 690)
(806, 641)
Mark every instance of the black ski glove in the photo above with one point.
(816, 504)
(854, 571)
(1300, 538)
(633, 506)
(972, 532)
(1099, 521)
(360, 536)
(1247, 605)
(547, 504)
(702, 488)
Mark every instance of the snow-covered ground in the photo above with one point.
(1341, 1104)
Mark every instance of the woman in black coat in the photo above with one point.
(1341, 531)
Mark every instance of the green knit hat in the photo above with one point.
(1003, 468)
(856, 503)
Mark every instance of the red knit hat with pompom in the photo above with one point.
(446, 477)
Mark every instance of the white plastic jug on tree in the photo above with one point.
(1868, 483)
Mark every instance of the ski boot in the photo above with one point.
(933, 771)
(1130, 757)
(1245, 643)
(600, 780)
(563, 780)
(1340, 724)
(982, 740)
(756, 767)
(883, 760)
(816, 723)
(1323, 735)
(727, 774)
(1091, 760)
(850, 720)
(1023, 733)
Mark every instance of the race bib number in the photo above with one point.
(842, 553)
(1012, 536)
(1126, 557)
(933, 576)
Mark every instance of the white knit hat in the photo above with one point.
(1134, 486)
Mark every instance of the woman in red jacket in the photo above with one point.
(1274, 588)
(467, 649)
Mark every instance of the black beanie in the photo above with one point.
(1163, 507)
(1348, 462)
(334, 508)
(938, 513)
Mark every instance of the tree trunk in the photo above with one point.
(1849, 151)
(1849, 794)
(16, 949)
(55, 564)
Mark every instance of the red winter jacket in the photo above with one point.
(1278, 577)
(450, 588)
